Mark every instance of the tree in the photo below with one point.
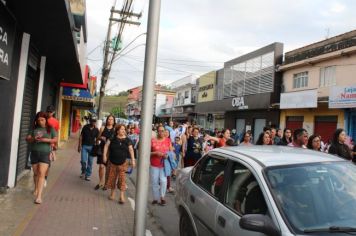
(118, 112)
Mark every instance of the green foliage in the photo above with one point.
(118, 112)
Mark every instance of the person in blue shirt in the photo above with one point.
(177, 145)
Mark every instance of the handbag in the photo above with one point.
(96, 151)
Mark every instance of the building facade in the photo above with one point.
(185, 99)
(247, 94)
(33, 62)
(320, 87)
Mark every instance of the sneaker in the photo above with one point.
(87, 178)
(170, 190)
(82, 175)
(163, 202)
(154, 202)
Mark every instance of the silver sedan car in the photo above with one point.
(267, 190)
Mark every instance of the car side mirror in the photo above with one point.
(259, 223)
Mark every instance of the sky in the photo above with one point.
(198, 36)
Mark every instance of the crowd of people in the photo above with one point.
(173, 146)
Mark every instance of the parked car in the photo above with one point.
(267, 190)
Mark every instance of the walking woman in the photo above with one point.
(160, 147)
(287, 137)
(246, 140)
(264, 139)
(116, 152)
(41, 138)
(338, 146)
(194, 149)
(314, 143)
(221, 141)
(105, 133)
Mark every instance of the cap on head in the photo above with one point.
(50, 108)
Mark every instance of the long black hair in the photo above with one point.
(335, 139)
(310, 141)
(107, 118)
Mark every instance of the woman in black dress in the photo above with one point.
(106, 132)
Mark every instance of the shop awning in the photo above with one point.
(52, 29)
(77, 95)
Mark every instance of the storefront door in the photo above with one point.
(259, 124)
(325, 126)
(294, 122)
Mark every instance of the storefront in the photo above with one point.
(344, 97)
(30, 72)
(303, 110)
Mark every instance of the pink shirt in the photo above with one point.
(159, 146)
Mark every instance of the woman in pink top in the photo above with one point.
(159, 148)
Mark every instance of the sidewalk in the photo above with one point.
(70, 206)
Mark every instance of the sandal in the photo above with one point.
(111, 198)
(37, 201)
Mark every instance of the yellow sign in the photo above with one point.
(206, 90)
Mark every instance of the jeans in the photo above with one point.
(159, 182)
(86, 160)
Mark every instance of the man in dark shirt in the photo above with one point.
(86, 142)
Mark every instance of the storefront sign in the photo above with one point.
(76, 94)
(206, 87)
(342, 97)
(302, 99)
(206, 90)
(239, 102)
(177, 109)
(7, 38)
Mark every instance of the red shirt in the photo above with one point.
(221, 143)
(54, 123)
(159, 146)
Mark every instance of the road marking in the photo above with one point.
(148, 233)
(132, 202)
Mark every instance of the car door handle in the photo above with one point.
(221, 221)
(192, 198)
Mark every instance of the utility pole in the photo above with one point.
(109, 55)
(149, 78)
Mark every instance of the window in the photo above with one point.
(300, 80)
(209, 174)
(244, 194)
(186, 94)
(327, 76)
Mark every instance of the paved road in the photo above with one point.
(165, 216)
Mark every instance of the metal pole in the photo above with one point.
(147, 113)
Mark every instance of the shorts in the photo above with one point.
(40, 157)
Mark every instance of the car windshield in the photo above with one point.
(319, 195)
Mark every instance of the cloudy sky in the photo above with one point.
(198, 36)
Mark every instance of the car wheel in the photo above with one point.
(185, 226)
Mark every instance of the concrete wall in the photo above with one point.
(345, 74)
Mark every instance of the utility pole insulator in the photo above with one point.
(125, 21)
(138, 15)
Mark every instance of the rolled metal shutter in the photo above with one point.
(28, 114)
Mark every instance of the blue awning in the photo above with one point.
(77, 94)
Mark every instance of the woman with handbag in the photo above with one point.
(106, 132)
(41, 139)
(116, 152)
